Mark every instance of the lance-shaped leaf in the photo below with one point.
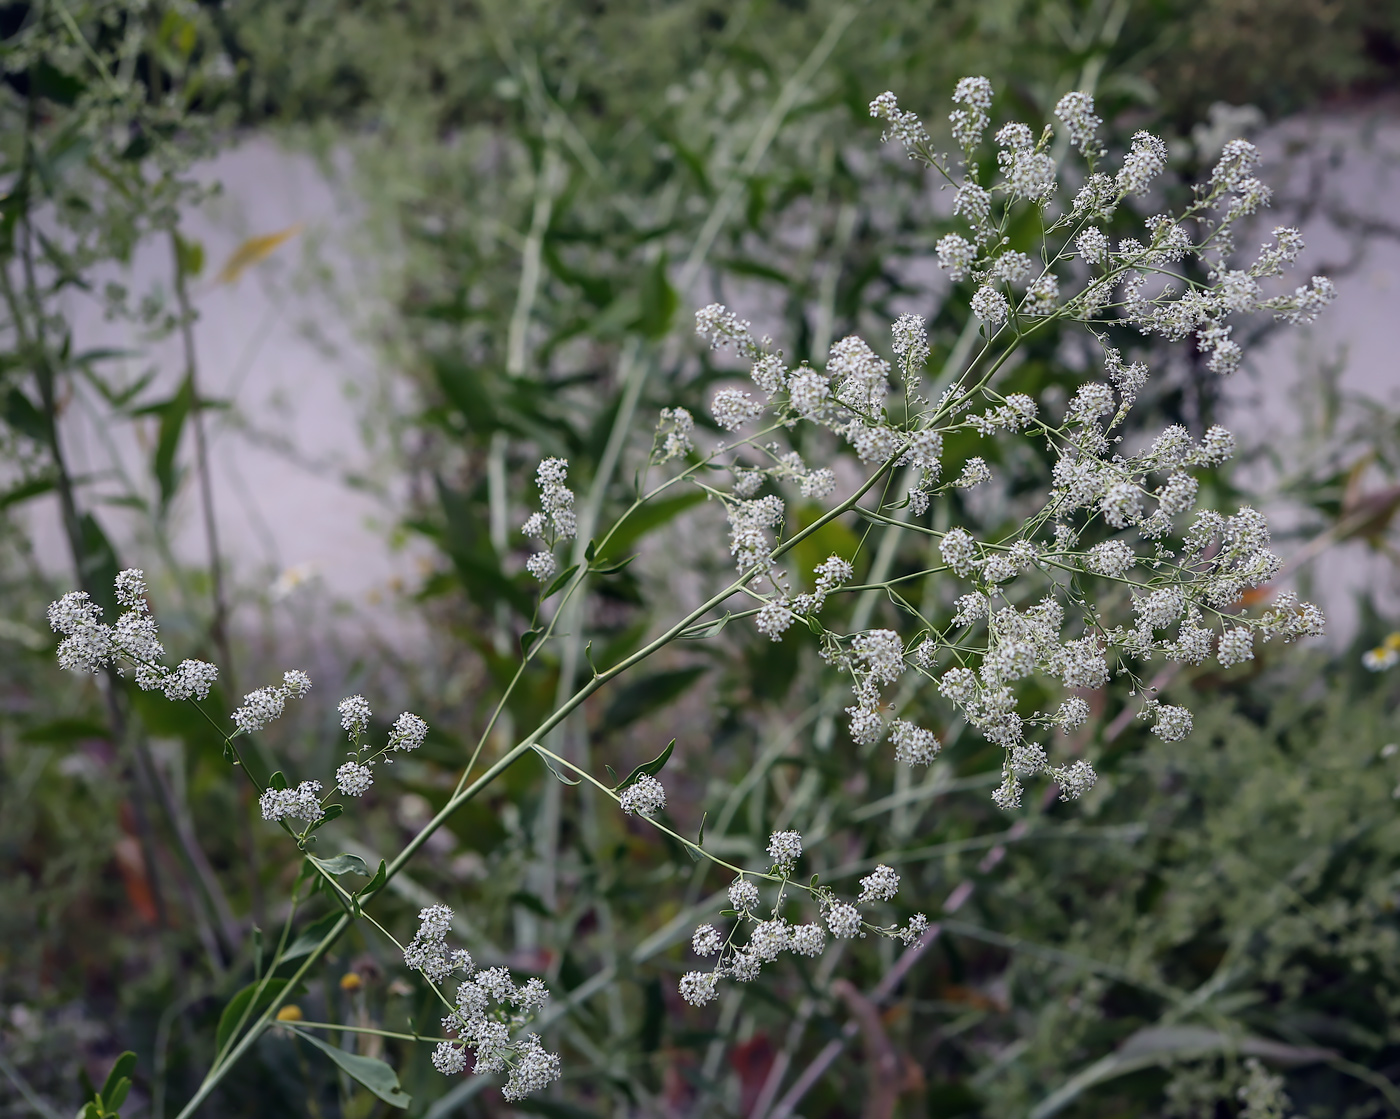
(374, 1074)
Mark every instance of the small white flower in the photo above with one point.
(1173, 723)
(956, 254)
(1112, 558)
(644, 797)
(990, 306)
(1076, 111)
(912, 744)
(699, 987)
(733, 408)
(541, 565)
(743, 895)
(534, 1069)
(259, 708)
(449, 1059)
(706, 941)
(808, 940)
(409, 733)
(192, 680)
(785, 848)
(1074, 780)
(353, 779)
(1007, 795)
(880, 885)
(975, 471)
(843, 919)
(302, 803)
(354, 714)
(131, 588)
(918, 925)
(1146, 159)
(1236, 647)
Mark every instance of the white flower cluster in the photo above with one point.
(89, 645)
(265, 705)
(772, 934)
(644, 797)
(674, 435)
(488, 1009)
(355, 777)
(1178, 566)
(556, 521)
(302, 803)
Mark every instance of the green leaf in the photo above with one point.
(658, 301)
(560, 582)
(548, 764)
(642, 696)
(614, 568)
(172, 424)
(333, 812)
(113, 1099)
(278, 780)
(122, 1069)
(528, 639)
(99, 566)
(189, 254)
(310, 938)
(234, 1012)
(35, 487)
(26, 419)
(652, 515)
(374, 1074)
(55, 85)
(706, 629)
(531, 902)
(343, 864)
(651, 768)
(374, 885)
(467, 541)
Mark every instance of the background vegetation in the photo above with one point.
(549, 190)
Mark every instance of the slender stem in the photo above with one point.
(220, 1069)
(218, 628)
(299, 1024)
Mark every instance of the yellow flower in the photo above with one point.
(289, 1013)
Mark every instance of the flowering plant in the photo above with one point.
(1113, 566)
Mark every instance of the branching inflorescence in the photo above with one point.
(1026, 605)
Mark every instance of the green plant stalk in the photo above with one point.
(221, 1067)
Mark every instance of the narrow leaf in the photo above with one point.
(550, 766)
(310, 937)
(122, 1069)
(560, 582)
(343, 864)
(253, 251)
(243, 1001)
(651, 768)
(374, 1074)
(376, 883)
(642, 696)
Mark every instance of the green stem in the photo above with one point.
(220, 1069)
